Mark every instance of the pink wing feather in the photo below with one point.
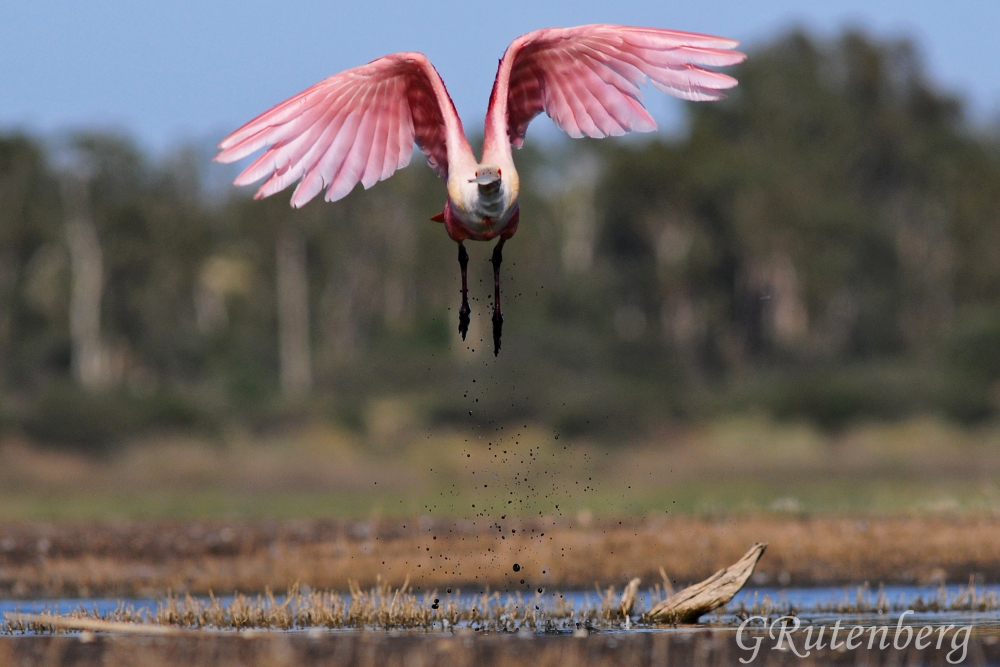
(356, 126)
(587, 78)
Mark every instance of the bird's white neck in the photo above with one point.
(488, 201)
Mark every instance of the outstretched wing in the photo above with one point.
(587, 78)
(359, 125)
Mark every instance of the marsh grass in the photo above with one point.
(381, 607)
(921, 465)
(386, 608)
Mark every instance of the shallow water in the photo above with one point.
(808, 598)
(865, 606)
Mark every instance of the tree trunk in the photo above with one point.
(293, 314)
(87, 270)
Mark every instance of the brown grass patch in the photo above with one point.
(152, 558)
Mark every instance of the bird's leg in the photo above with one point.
(497, 315)
(464, 311)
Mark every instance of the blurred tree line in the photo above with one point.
(823, 244)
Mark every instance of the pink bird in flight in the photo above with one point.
(360, 125)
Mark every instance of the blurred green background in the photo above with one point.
(820, 249)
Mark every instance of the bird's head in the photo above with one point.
(487, 178)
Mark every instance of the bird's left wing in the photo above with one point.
(356, 126)
(587, 78)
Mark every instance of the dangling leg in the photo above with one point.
(464, 311)
(497, 315)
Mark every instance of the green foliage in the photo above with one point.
(64, 415)
(833, 398)
(973, 344)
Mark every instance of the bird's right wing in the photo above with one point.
(587, 78)
(356, 126)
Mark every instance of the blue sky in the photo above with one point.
(193, 69)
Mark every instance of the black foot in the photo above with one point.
(464, 311)
(497, 330)
(497, 315)
(463, 319)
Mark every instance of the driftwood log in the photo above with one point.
(687, 605)
(88, 624)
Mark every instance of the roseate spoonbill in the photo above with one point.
(360, 125)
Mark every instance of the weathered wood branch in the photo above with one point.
(687, 605)
(629, 596)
